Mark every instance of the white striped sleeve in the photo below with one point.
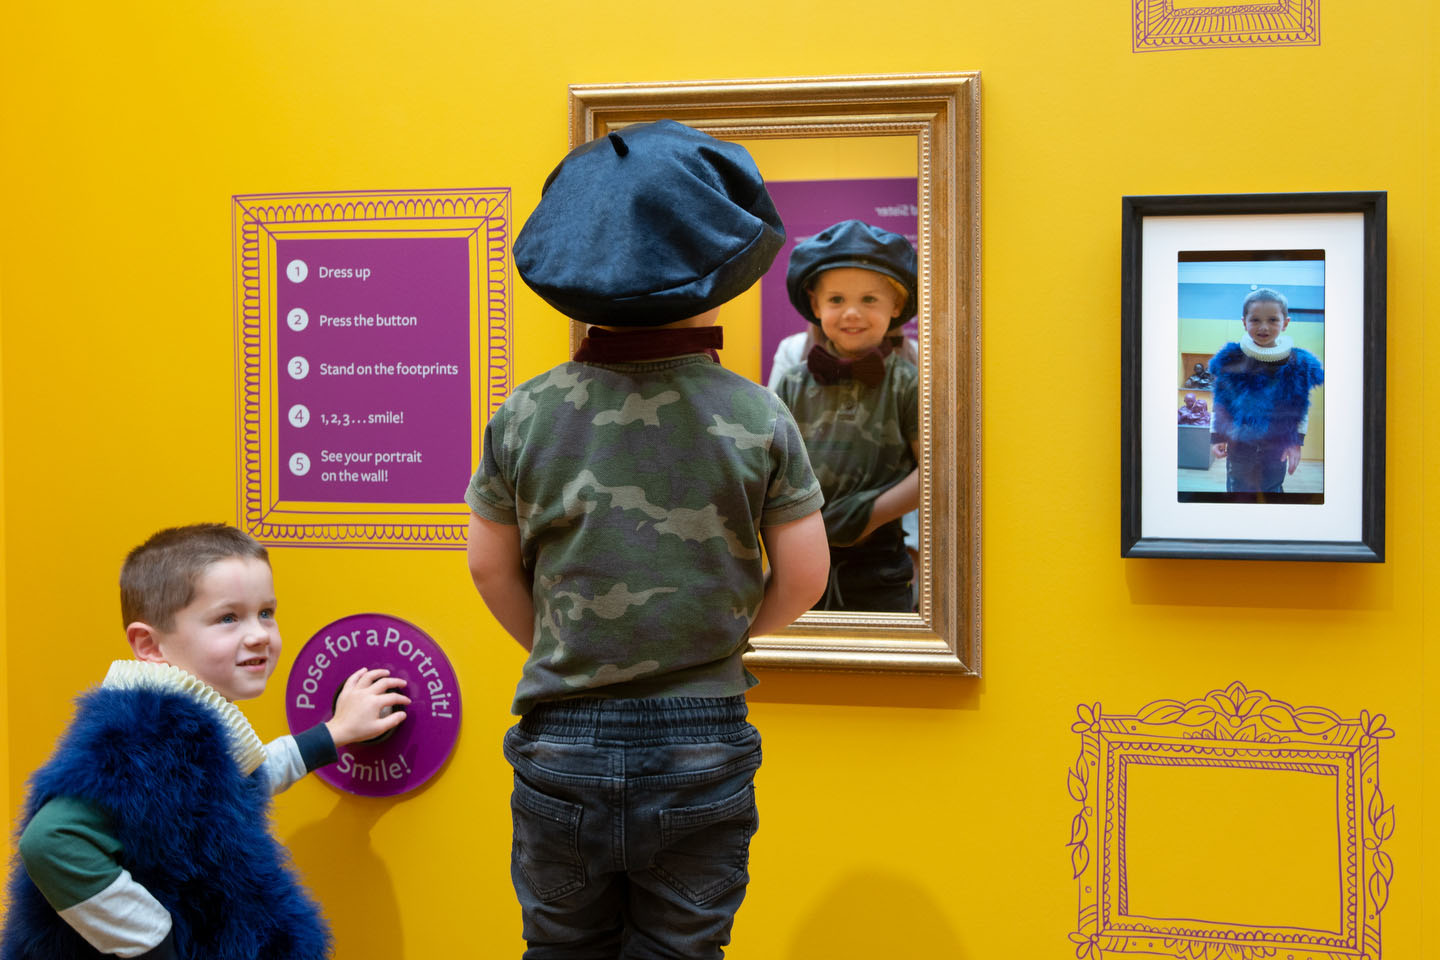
(123, 919)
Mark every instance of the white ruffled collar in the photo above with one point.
(1281, 350)
(245, 746)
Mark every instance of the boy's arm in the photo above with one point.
(896, 501)
(799, 570)
(496, 566)
(73, 857)
(289, 758)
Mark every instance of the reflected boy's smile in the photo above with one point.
(855, 308)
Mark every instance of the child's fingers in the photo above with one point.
(390, 721)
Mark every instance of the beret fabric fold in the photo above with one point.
(852, 243)
(654, 223)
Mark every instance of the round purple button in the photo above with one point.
(411, 753)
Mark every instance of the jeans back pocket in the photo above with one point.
(705, 850)
(547, 841)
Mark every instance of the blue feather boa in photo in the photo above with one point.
(1259, 402)
(195, 833)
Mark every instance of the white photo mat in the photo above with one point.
(1342, 237)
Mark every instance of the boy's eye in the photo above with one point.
(267, 614)
(227, 618)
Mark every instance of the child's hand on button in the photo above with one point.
(1219, 450)
(361, 711)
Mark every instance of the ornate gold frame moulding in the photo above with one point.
(942, 113)
(1236, 729)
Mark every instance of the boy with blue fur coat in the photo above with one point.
(146, 833)
(1262, 398)
(619, 509)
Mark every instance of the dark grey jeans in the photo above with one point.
(633, 821)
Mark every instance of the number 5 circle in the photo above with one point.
(299, 464)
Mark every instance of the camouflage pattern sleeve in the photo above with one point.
(793, 492)
(910, 410)
(491, 494)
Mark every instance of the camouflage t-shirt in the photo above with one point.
(640, 490)
(860, 439)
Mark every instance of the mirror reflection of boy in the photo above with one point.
(857, 404)
(146, 834)
(1262, 398)
(619, 510)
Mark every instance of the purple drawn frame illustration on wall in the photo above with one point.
(1168, 25)
(1235, 729)
(372, 343)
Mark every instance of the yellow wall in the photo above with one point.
(902, 816)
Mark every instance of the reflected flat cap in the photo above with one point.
(652, 224)
(851, 243)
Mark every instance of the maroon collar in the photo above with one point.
(829, 369)
(640, 346)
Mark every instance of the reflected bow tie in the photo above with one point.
(829, 369)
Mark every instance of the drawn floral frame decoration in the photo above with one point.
(1240, 728)
(1187, 25)
(481, 217)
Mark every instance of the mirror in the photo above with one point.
(840, 130)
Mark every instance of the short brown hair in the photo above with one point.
(158, 577)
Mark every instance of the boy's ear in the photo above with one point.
(145, 642)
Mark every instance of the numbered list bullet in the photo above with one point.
(298, 319)
(299, 415)
(299, 464)
(297, 271)
(298, 368)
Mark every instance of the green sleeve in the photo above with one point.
(70, 851)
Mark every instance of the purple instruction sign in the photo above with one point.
(411, 753)
(809, 206)
(373, 345)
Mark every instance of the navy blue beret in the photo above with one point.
(851, 243)
(652, 224)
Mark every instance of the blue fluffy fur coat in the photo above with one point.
(195, 833)
(1261, 403)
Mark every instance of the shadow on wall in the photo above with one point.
(1232, 583)
(866, 689)
(876, 914)
(347, 877)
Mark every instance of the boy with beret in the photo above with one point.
(146, 834)
(619, 511)
(857, 405)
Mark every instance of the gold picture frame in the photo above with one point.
(942, 113)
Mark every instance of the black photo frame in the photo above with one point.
(1185, 262)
